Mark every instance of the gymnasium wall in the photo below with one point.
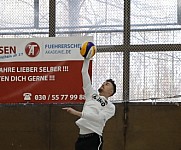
(152, 26)
(48, 127)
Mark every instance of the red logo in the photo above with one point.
(32, 49)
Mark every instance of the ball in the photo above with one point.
(88, 50)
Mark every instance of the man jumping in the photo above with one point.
(96, 111)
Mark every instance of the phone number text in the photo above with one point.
(57, 97)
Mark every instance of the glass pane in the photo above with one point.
(105, 66)
(103, 19)
(26, 18)
(155, 75)
(155, 21)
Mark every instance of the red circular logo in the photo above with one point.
(32, 49)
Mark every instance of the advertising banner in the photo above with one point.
(41, 70)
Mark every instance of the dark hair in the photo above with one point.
(114, 86)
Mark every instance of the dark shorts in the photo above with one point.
(90, 141)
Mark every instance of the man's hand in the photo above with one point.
(73, 111)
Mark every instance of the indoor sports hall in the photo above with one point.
(138, 45)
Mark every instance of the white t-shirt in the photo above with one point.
(96, 110)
